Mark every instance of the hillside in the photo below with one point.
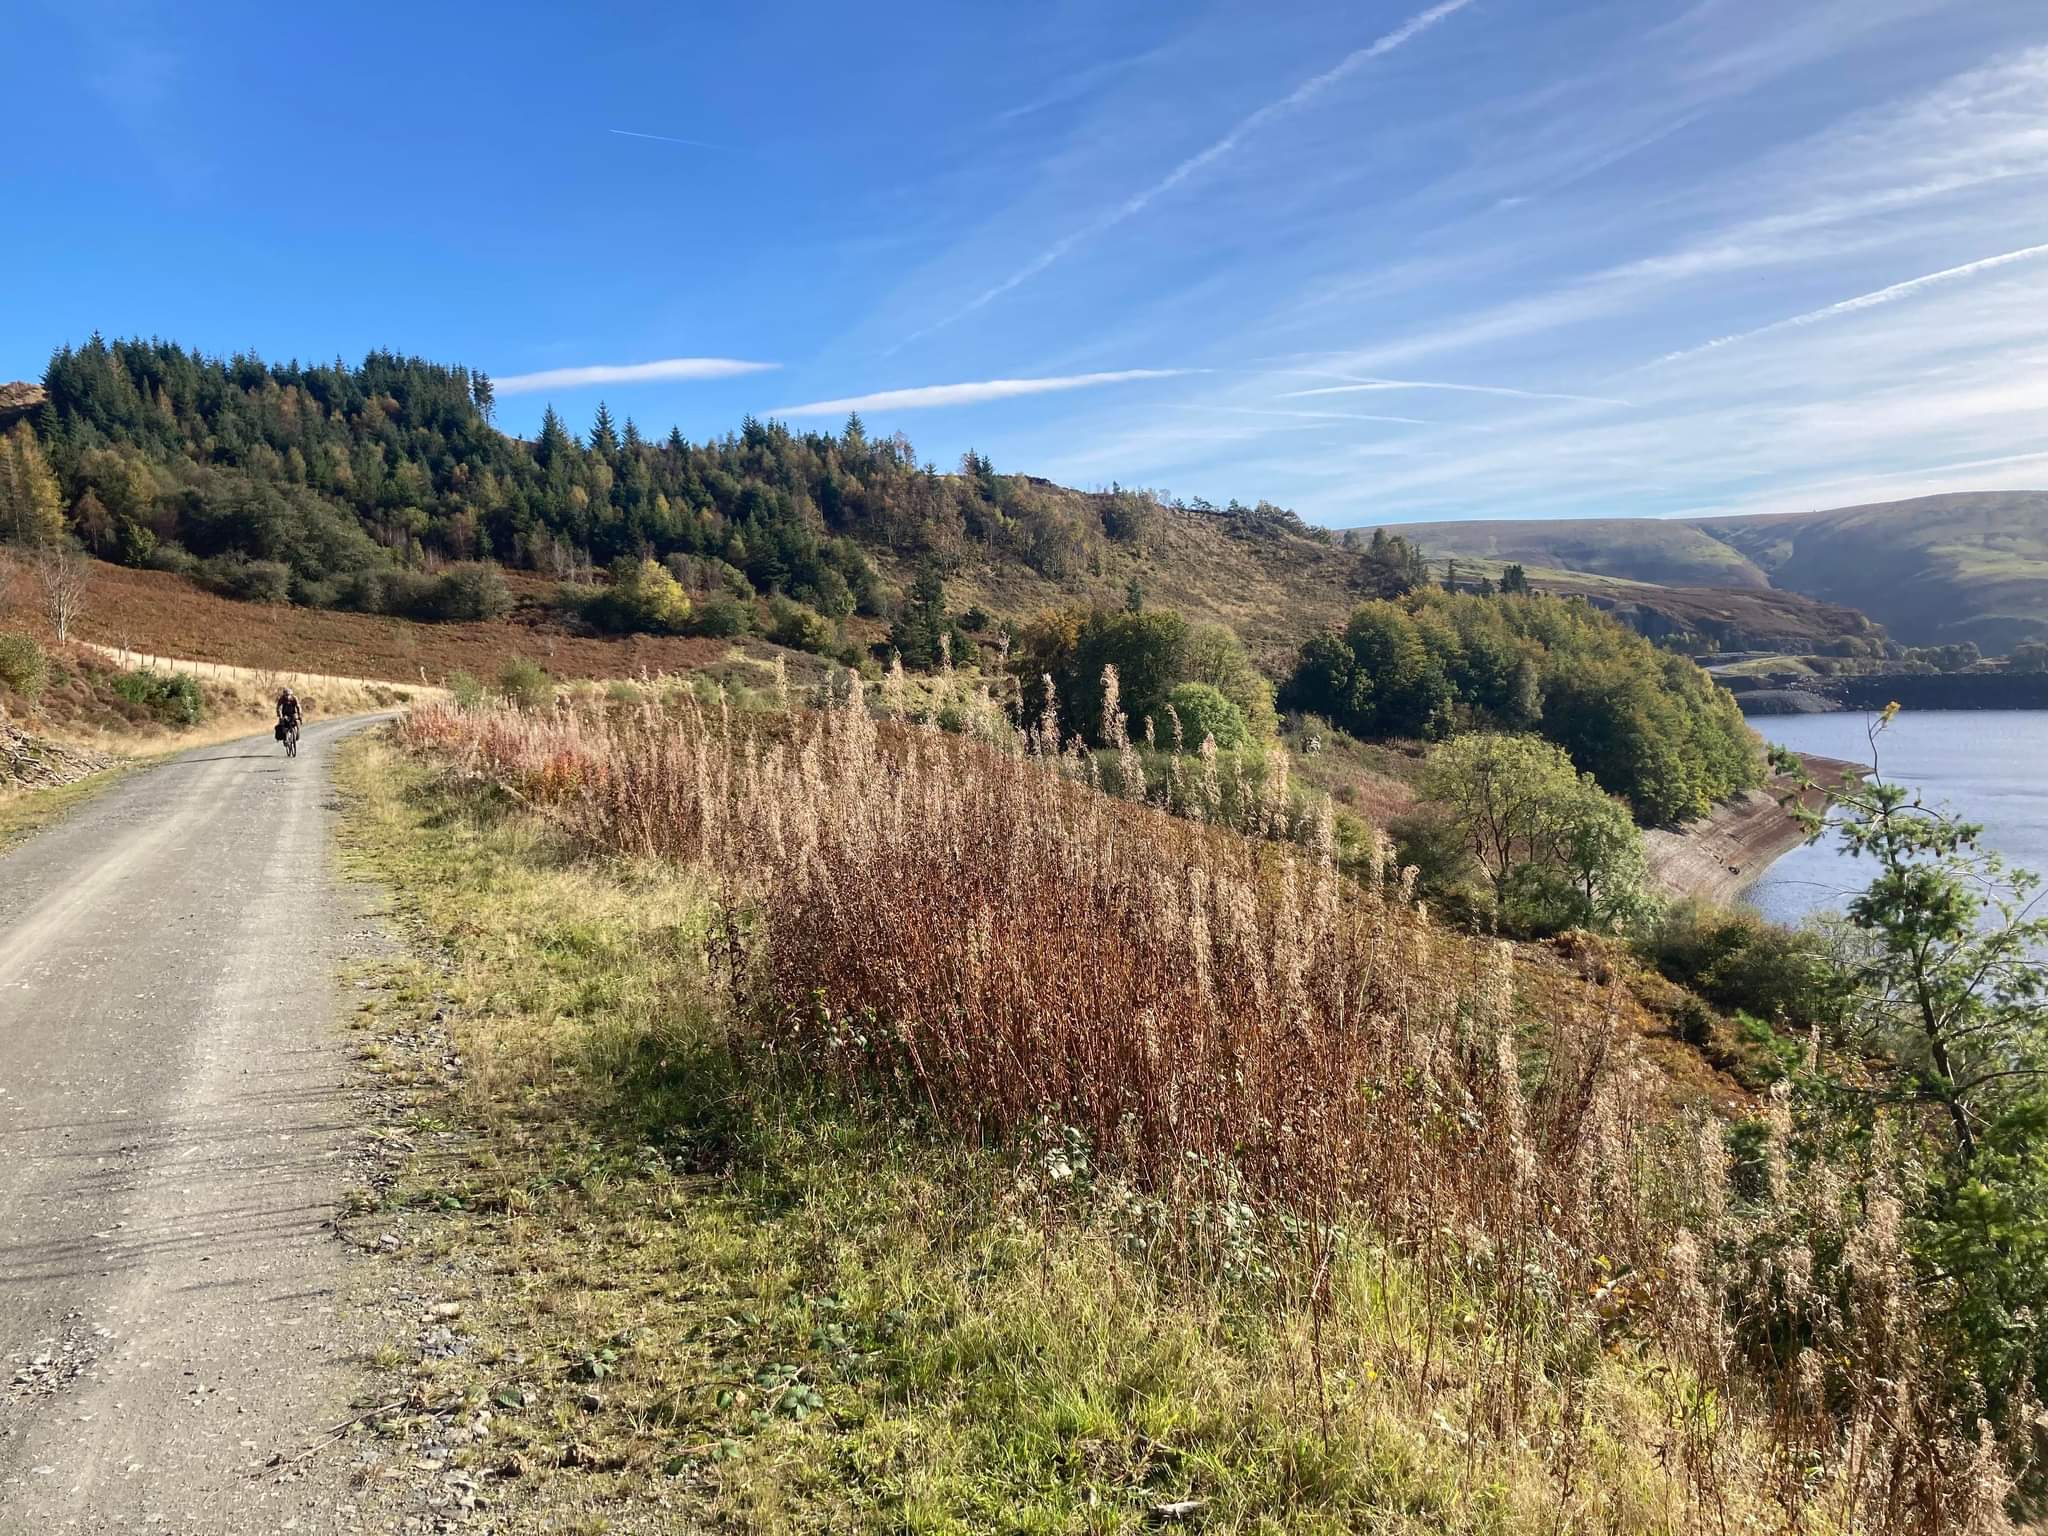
(336, 486)
(1934, 570)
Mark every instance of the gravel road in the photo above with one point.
(173, 1134)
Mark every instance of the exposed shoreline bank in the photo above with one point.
(1914, 691)
(1719, 856)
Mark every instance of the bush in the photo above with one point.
(526, 685)
(1738, 961)
(170, 555)
(172, 698)
(1202, 712)
(722, 616)
(471, 592)
(23, 666)
(792, 624)
(248, 581)
(1649, 726)
(641, 598)
(467, 689)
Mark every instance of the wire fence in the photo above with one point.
(224, 672)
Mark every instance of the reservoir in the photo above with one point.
(1987, 766)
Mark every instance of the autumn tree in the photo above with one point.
(62, 577)
(31, 501)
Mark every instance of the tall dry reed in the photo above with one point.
(1220, 1019)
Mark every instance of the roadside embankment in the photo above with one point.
(1719, 856)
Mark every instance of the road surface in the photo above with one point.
(172, 1138)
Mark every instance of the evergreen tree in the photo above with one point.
(554, 444)
(604, 441)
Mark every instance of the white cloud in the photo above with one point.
(629, 373)
(1137, 202)
(1365, 386)
(1871, 182)
(927, 395)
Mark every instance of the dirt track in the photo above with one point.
(172, 1131)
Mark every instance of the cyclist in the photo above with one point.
(288, 713)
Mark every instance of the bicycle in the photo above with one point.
(291, 739)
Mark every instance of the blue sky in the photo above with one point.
(1373, 261)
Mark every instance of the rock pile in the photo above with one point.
(32, 762)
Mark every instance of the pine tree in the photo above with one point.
(554, 440)
(603, 438)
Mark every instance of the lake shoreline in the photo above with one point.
(1721, 855)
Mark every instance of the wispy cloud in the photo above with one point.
(1365, 386)
(1072, 85)
(663, 138)
(629, 373)
(1137, 202)
(928, 395)
(1873, 300)
(1252, 410)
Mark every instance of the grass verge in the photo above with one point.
(25, 812)
(679, 1295)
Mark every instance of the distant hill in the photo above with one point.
(1934, 570)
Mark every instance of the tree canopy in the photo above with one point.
(1648, 725)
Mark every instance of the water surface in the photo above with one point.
(1990, 766)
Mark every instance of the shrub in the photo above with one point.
(170, 555)
(23, 666)
(467, 689)
(248, 581)
(471, 592)
(173, 698)
(526, 685)
(1649, 726)
(642, 597)
(1738, 961)
(722, 616)
(792, 624)
(1202, 712)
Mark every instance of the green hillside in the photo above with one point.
(340, 486)
(1634, 549)
(1934, 570)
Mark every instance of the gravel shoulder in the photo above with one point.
(174, 1137)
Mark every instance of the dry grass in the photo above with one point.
(1288, 1073)
(696, 1295)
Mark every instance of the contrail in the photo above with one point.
(1889, 295)
(662, 138)
(1299, 97)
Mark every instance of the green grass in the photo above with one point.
(691, 1297)
(25, 812)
